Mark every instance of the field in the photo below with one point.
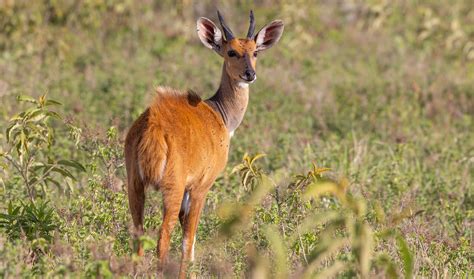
(364, 111)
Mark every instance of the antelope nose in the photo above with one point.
(249, 75)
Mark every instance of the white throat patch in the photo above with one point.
(242, 84)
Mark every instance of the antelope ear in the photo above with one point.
(209, 34)
(269, 35)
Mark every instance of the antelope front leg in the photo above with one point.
(189, 216)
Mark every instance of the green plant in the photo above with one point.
(340, 229)
(105, 154)
(99, 269)
(30, 137)
(32, 220)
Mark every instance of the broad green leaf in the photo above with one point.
(52, 103)
(23, 141)
(27, 113)
(246, 178)
(36, 115)
(256, 157)
(63, 172)
(53, 114)
(23, 98)
(18, 117)
(10, 130)
(72, 163)
(49, 179)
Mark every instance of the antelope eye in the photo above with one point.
(232, 53)
(255, 54)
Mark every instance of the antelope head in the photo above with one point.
(240, 54)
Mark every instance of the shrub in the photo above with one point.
(30, 138)
(33, 220)
(345, 241)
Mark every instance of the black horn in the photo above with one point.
(227, 32)
(251, 26)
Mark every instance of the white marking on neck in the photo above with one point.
(242, 84)
(231, 133)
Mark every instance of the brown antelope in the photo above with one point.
(179, 145)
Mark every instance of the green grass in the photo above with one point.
(382, 94)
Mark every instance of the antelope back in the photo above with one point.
(183, 139)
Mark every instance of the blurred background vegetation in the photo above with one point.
(381, 92)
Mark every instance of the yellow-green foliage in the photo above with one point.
(380, 94)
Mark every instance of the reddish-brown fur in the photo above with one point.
(179, 145)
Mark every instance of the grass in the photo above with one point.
(379, 92)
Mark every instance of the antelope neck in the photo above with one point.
(230, 101)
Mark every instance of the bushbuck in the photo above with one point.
(179, 145)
